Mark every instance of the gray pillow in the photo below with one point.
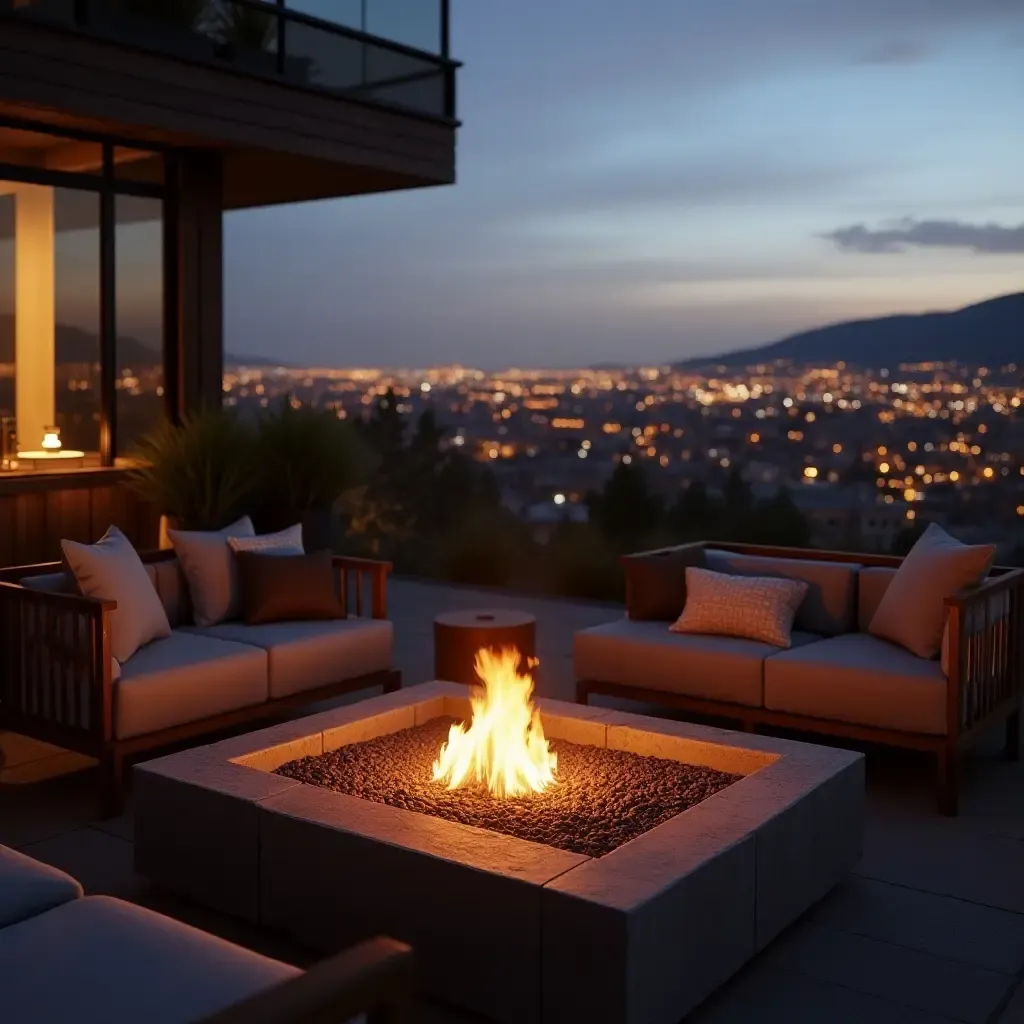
(111, 570)
(210, 570)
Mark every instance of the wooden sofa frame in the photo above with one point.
(55, 671)
(984, 687)
(375, 978)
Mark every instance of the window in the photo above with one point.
(81, 376)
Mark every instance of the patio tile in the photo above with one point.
(32, 812)
(940, 925)
(100, 861)
(944, 856)
(1013, 1012)
(920, 980)
(764, 995)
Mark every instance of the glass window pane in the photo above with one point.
(415, 23)
(139, 287)
(8, 443)
(49, 152)
(76, 312)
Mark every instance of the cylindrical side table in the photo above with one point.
(459, 635)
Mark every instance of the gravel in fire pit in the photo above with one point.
(603, 798)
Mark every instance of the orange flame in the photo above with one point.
(504, 746)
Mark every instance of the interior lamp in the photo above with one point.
(51, 440)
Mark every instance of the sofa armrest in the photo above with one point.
(353, 572)
(986, 649)
(376, 978)
(645, 572)
(55, 664)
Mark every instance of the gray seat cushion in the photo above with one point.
(646, 655)
(183, 678)
(305, 655)
(830, 607)
(102, 961)
(860, 679)
(28, 887)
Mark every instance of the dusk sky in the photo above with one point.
(648, 180)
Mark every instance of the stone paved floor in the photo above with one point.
(929, 929)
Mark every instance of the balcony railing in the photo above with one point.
(275, 41)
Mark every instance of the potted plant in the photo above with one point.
(200, 474)
(308, 459)
(247, 36)
(164, 24)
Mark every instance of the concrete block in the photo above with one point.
(647, 932)
(196, 829)
(573, 722)
(336, 870)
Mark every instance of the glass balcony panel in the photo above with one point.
(415, 23)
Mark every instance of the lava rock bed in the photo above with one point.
(603, 798)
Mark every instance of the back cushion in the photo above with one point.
(830, 607)
(874, 582)
(167, 579)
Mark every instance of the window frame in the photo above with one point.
(108, 186)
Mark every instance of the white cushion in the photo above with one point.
(305, 655)
(284, 542)
(210, 570)
(100, 959)
(186, 677)
(112, 571)
(29, 887)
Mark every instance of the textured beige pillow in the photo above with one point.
(111, 570)
(210, 570)
(911, 611)
(752, 607)
(284, 542)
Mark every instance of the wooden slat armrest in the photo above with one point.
(376, 978)
(55, 599)
(1010, 580)
(348, 562)
(377, 571)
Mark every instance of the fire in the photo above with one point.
(504, 745)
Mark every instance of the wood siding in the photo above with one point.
(65, 77)
(37, 511)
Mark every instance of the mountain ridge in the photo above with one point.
(989, 333)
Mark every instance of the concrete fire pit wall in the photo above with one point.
(511, 929)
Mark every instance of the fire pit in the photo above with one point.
(502, 774)
(584, 865)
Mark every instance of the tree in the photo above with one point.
(738, 501)
(777, 520)
(626, 511)
(693, 514)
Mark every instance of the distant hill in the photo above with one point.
(77, 346)
(987, 334)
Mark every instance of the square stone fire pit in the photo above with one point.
(514, 930)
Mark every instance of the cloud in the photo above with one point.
(898, 236)
(896, 51)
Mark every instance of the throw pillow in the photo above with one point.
(656, 583)
(282, 588)
(111, 570)
(285, 542)
(210, 570)
(751, 607)
(911, 611)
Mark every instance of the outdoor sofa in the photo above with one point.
(836, 679)
(60, 684)
(67, 957)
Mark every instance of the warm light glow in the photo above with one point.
(884, 467)
(810, 472)
(51, 439)
(954, 476)
(504, 746)
(559, 499)
(989, 472)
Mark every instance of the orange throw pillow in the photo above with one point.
(751, 607)
(912, 612)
